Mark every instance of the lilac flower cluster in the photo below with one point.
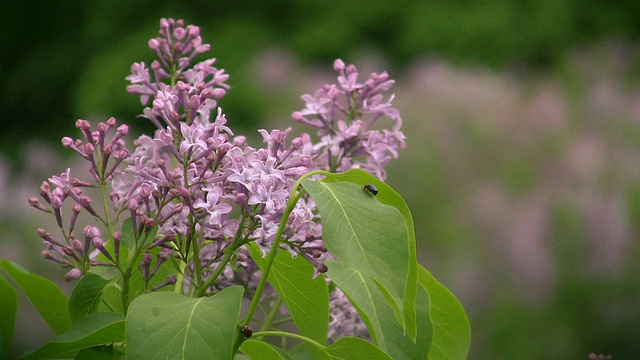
(204, 189)
(344, 117)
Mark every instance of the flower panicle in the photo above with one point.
(345, 114)
(203, 189)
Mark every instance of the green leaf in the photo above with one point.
(47, 297)
(9, 306)
(388, 196)
(111, 300)
(92, 330)
(374, 238)
(104, 352)
(451, 329)
(355, 348)
(378, 315)
(260, 350)
(307, 299)
(172, 326)
(301, 352)
(85, 296)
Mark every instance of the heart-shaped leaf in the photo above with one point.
(372, 237)
(166, 325)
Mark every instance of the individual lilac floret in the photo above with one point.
(344, 115)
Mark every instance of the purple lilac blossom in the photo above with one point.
(198, 182)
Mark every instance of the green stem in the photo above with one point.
(228, 254)
(270, 257)
(293, 200)
(268, 321)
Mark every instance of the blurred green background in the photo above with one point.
(522, 165)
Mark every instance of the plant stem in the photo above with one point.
(271, 256)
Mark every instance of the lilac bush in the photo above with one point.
(195, 210)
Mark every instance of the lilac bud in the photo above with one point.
(169, 236)
(56, 203)
(67, 142)
(111, 122)
(144, 269)
(206, 93)
(145, 190)
(117, 237)
(297, 116)
(75, 182)
(193, 30)
(73, 274)
(155, 65)
(46, 236)
(122, 154)
(99, 244)
(85, 202)
(68, 250)
(123, 129)
(338, 65)
(83, 124)
(77, 245)
(154, 44)
(150, 223)
(102, 128)
(89, 149)
(107, 149)
(35, 203)
(219, 93)
(91, 232)
(45, 189)
(94, 262)
(132, 204)
(171, 280)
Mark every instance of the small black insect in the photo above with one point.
(372, 189)
(246, 331)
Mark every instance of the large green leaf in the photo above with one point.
(166, 325)
(377, 314)
(47, 297)
(387, 195)
(451, 329)
(85, 296)
(92, 330)
(307, 299)
(372, 237)
(355, 348)
(9, 306)
(260, 350)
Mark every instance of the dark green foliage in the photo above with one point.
(44, 61)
